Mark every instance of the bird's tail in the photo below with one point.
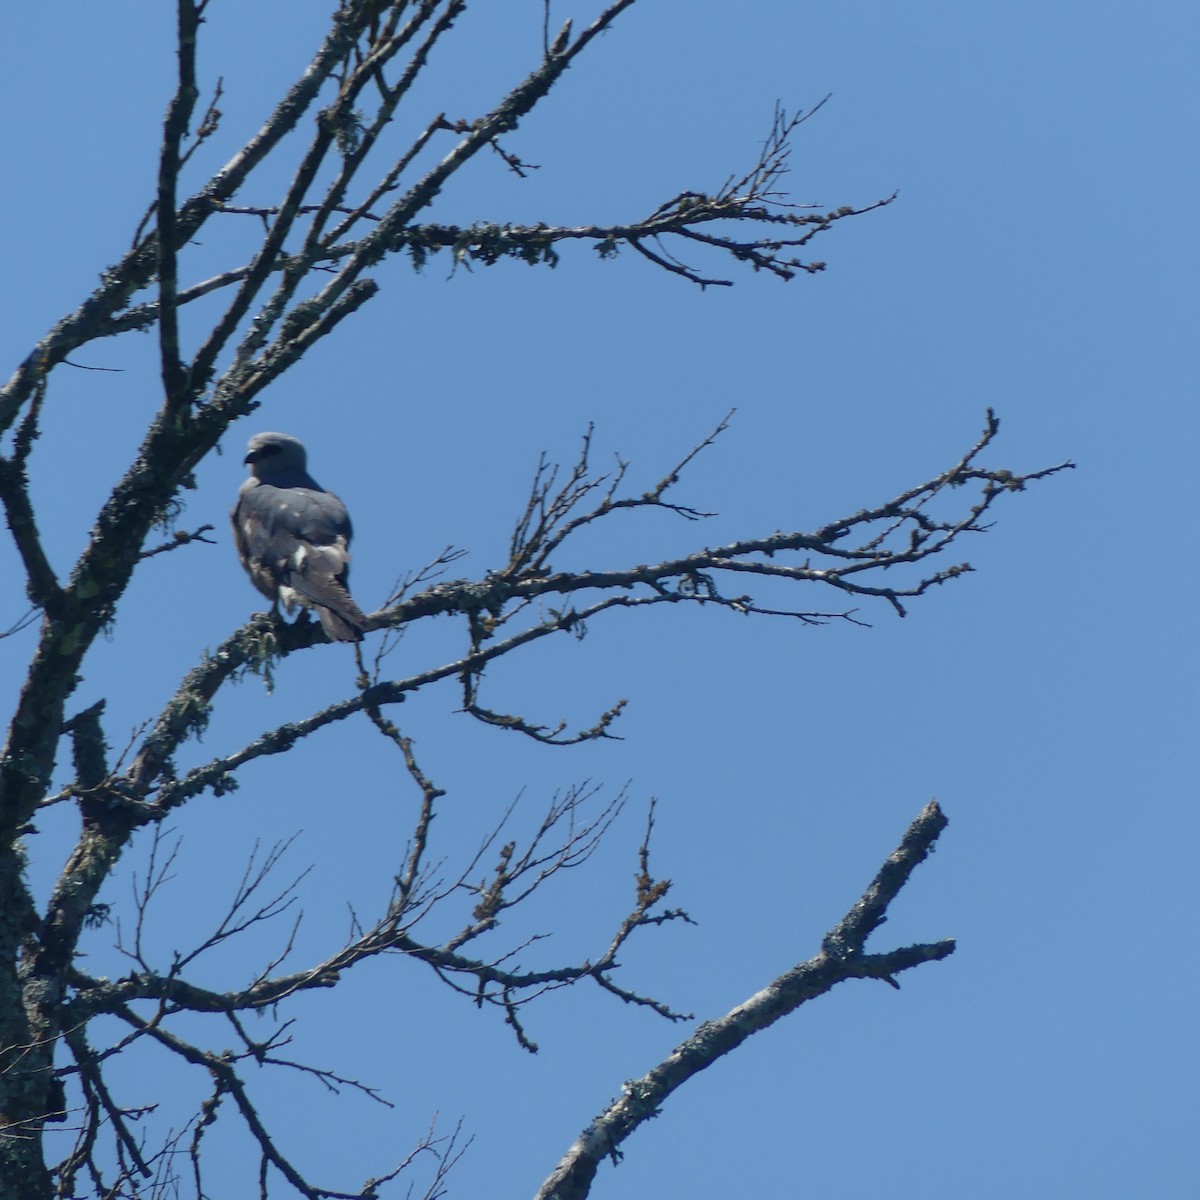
(341, 618)
(345, 626)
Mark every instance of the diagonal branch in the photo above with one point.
(841, 958)
(229, 1083)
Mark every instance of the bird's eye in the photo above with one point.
(267, 451)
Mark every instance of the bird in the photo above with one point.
(293, 537)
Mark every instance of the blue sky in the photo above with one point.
(1041, 259)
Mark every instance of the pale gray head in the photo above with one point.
(273, 454)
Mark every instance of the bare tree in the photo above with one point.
(355, 198)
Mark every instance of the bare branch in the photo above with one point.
(227, 1082)
(100, 1103)
(180, 538)
(42, 586)
(564, 840)
(841, 958)
(175, 128)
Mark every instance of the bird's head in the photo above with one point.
(273, 453)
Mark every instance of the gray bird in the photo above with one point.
(293, 537)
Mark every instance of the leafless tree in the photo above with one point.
(355, 198)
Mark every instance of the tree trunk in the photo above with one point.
(25, 1053)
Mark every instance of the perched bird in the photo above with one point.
(293, 537)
